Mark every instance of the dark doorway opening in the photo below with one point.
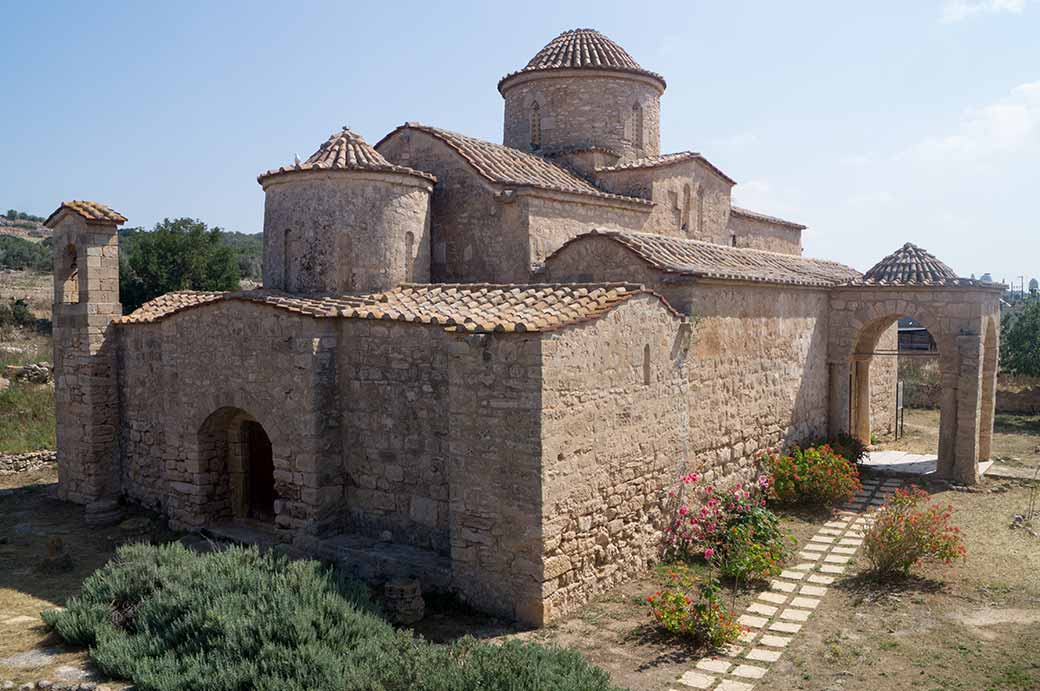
(260, 469)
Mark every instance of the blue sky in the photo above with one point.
(872, 123)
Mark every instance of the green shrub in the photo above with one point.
(695, 611)
(816, 475)
(18, 254)
(172, 620)
(906, 533)
(26, 418)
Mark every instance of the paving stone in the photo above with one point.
(763, 655)
(775, 598)
(836, 559)
(843, 550)
(836, 524)
(831, 568)
(782, 586)
(775, 641)
(824, 580)
(851, 541)
(810, 555)
(795, 614)
(822, 539)
(815, 546)
(748, 636)
(714, 665)
(804, 567)
(730, 685)
(828, 531)
(785, 627)
(731, 650)
(813, 590)
(697, 680)
(750, 671)
(792, 575)
(758, 608)
(806, 602)
(753, 622)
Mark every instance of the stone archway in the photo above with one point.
(237, 456)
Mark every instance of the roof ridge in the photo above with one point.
(755, 214)
(505, 165)
(664, 160)
(94, 213)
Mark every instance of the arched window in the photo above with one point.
(685, 224)
(536, 126)
(637, 125)
(409, 256)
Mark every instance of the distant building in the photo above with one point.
(913, 336)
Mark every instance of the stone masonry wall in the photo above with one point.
(884, 375)
(342, 231)
(496, 481)
(614, 438)
(583, 110)
(473, 235)
(763, 235)
(394, 392)
(691, 200)
(177, 373)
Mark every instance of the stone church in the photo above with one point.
(487, 364)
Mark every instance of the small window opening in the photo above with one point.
(409, 257)
(700, 210)
(536, 126)
(637, 125)
(69, 276)
(286, 257)
(646, 365)
(733, 239)
(685, 225)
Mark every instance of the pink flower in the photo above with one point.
(708, 553)
(683, 510)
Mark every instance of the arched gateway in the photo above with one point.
(962, 316)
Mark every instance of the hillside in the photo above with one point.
(23, 225)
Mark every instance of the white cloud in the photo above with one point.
(1009, 126)
(959, 10)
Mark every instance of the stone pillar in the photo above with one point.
(861, 421)
(947, 417)
(838, 421)
(86, 292)
(989, 394)
(969, 407)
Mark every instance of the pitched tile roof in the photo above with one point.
(763, 217)
(471, 307)
(504, 165)
(662, 161)
(92, 212)
(583, 49)
(910, 265)
(346, 150)
(709, 260)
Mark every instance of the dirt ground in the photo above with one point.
(36, 289)
(1016, 438)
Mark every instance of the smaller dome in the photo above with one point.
(910, 265)
(346, 150)
(583, 49)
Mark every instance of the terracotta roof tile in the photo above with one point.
(346, 150)
(662, 161)
(92, 212)
(457, 307)
(504, 165)
(763, 217)
(709, 260)
(583, 49)
(911, 265)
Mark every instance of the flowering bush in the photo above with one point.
(908, 531)
(845, 445)
(731, 529)
(696, 611)
(816, 475)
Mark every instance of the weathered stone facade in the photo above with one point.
(486, 367)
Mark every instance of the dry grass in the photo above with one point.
(1016, 438)
(36, 289)
(26, 410)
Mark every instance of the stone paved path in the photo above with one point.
(778, 614)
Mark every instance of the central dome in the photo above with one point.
(583, 49)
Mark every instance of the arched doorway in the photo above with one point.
(877, 362)
(237, 451)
